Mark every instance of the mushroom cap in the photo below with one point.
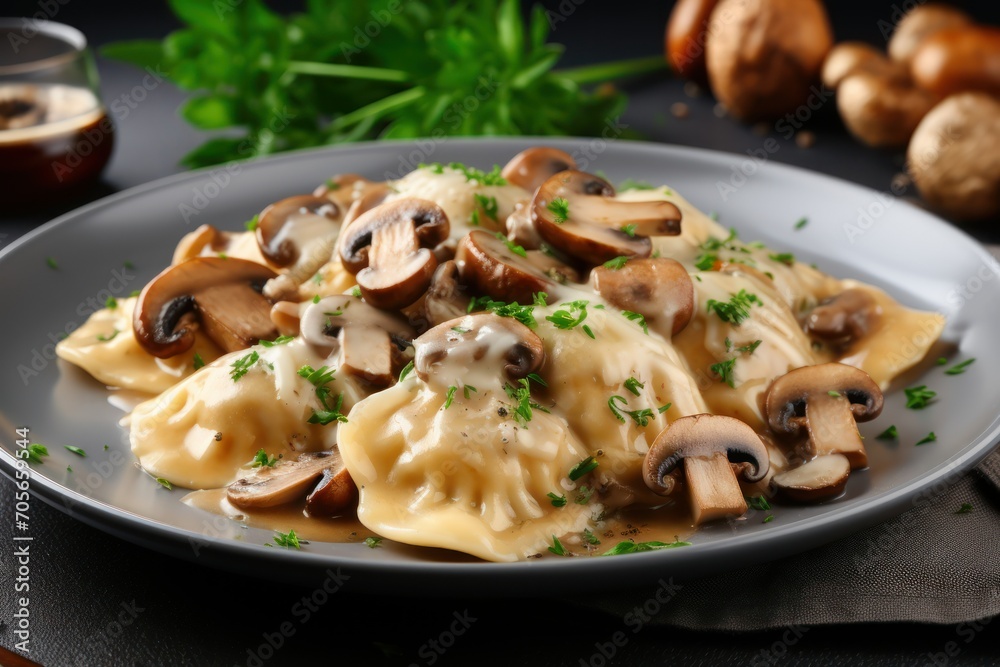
(489, 266)
(656, 287)
(919, 24)
(284, 482)
(533, 166)
(702, 436)
(844, 317)
(786, 399)
(880, 109)
(159, 319)
(429, 220)
(847, 58)
(322, 321)
(480, 339)
(275, 226)
(593, 229)
(446, 298)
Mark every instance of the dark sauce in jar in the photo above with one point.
(54, 140)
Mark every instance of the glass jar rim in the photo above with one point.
(69, 35)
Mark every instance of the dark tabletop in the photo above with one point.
(97, 600)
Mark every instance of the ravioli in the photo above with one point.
(105, 346)
(200, 432)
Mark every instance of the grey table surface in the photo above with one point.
(101, 601)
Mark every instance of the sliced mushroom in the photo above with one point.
(710, 448)
(446, 298)
(533, 166)
(284, 482)
(344, 189)
(844, 318)
(223, 294)
(822, 478)
(288, 481)
(388, 249)
(286, 227)
(576, 213)
(481, 341)
(521, 228)
(374, 195)
(334, 493)
(196, 243)
(489, 264)
(660, 289)
(825, 401)
(370, 341)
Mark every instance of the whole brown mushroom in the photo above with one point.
(882, 110)
(763, 55)
(921, 23)
(954, 157)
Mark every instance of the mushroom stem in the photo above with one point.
(714, 491)
(833, 430)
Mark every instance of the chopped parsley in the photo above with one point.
(406, 370)
(589, 537)
(280, 340)
(941, 361)
(582, 468)
(801, 223)
(759, 503)
(768, 519)
(287, 540)
(556, 500)
(663, 408)
(715, 244)
(737, 309)
(243, 365)
(488, 205)
(640, 417)
(706, 261)
(35, 452)
(918, 398)
(632, 184)
(930, 437)
(786, 258)
(965, 508)
(749, 347)
(629, 230)
(559, 207)
(76, 450)
(262, 460)
(51, 262)
(540, 299)
(959, 368)
(522, 314)
(468, 388)
(320, 378)
(251, 224)
(128, 265)
(315, 298)
(890, 433)
(638, 318)
(355, 292)
(134, 293)
(165, 483)
(583, 497)
(450, 396)
(567, 319)
(492, 177)
(521, 395)
(105, 339)
(373, 542)
(197, 362)
(630, 547)
(724, 371)
(616, 263)
(318, 278)
(833, 394)
(111, 303)
(557, 548)
(513, 247)
(634, 385)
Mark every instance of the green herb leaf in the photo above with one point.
(35, 452)
(513, 247)
(280, 340)
(737, 309)
(616, 263)
(373, 542)
(959, 368)
(918, 398)
(251, 224)
(965, 508)
(557, 500)
(197, 362)
(51, 262)
(243, 365)
(522, 314)
(589, 537)
(802, 222)
(261, 459)
(630, 547)
(638, 318)
(759, 503)
(76, 450)
(890, 433)
(724, 370)
(406, 370)
(165, 483)
(930, 437)
(105, 339)
(287, 540)
(750, 347)
(582, 468)
(785, 258)
(633, 385)
(631, 184)
(560, 209)
(450, 396)
(111, 303)
(629, 230)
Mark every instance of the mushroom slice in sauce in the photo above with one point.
(334, 493)
(533, 166)
(223, 294)
(660, 289)
(576, 213)
(481, 341)
(370, 341)
(844, 318)
(707, 447)
(822, 478)
(826, 401)
(388, 250)
(491, 265)
(446, 298)
(288, 481)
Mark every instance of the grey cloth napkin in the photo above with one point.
(931, 564)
